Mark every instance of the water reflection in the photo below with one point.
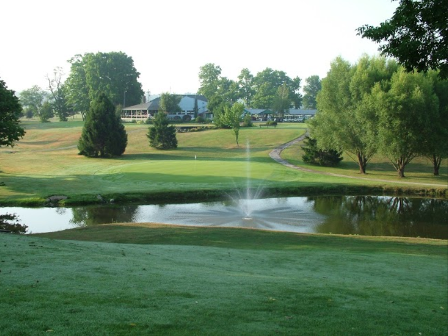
(382, 216)
(362, 215)
(83, 216)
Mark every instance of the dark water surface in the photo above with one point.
(360, 215)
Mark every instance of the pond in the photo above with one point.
(349, 215)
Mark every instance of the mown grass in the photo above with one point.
(46, 162)
(217, 281)
(164, 280)
(378, 168)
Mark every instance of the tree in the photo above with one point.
(312, 87)
(405, 111)
(110, 73)
(417, 35)
(46, 112)
(57, 91)
(32, 99)
(245, 86)
(228, 90)
(76, 85)
(161, 135)
(266, 84)
(281, 102)
(103, 134)
(347, 119)
(323, 157)
(195, 108)
(10, 109)
(436, 135)
(209, 78)
(219, 112)
(170, 103)
(232, 118)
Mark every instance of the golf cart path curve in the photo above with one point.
(275, 154)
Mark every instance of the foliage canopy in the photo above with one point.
(110, 73)
(417, 35)
(10, 109)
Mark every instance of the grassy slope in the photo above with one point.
(184, 281)
(46, 163)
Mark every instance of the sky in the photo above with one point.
(169, 40)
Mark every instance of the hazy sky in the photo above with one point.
(169, 40)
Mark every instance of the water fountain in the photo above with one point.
(247, 208)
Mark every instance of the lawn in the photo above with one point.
(46, 162)
(133, 280)
(152, 279)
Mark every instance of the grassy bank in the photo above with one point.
(45, 163)
(211, 281)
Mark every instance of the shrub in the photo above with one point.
(186, 118)
(247, 121)
(321, 157)
(200, 119)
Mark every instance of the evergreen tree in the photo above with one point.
(161, 135)
(10, 109)
(103, 134)
(315, 155)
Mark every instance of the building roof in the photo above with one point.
(257, 111)
(301, 111)
(153, 105)
(142, 106)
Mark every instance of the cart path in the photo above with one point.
(275, 154)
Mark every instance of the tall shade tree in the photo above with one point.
(209, 79)
(311, 89)
(245, 86)
(347, 120)
(76, 85)
(161, 135)
(417, 35)
(32, 99)
(103, 134)
(436, 143)
(405, 111)
(110, 73)
(266, 84)
(10, 109)
(282, 101)
(57, 93)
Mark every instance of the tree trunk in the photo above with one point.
(362, 163)
(400, 167)
(436, 161)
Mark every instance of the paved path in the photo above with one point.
(275, 154)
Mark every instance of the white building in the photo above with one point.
(148, 110)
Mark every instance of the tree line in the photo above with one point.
(376, 107)
(110, 73)
(268, 89)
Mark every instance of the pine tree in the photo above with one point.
(161, 135)
(314, 155)
(103, 134)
